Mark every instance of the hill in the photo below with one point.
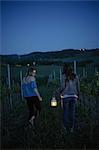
(63, 55)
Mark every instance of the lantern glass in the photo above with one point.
(53, 102)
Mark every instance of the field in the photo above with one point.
(49, 130)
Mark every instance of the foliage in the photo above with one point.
(84, 63)
(16, 88)
(42, 80)
(90, 85)
(4, 91)
(49, 131)
(41, 56)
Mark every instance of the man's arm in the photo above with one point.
(37, 92)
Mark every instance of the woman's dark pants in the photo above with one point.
(69, 112)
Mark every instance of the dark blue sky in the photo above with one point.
(29, 26)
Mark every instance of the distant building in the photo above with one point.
(82, 49)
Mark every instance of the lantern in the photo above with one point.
(53, 102)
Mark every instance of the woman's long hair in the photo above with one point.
(68, 71)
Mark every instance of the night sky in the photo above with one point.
(29, 26)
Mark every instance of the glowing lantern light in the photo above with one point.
(53, 102)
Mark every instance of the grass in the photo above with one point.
(49, 132)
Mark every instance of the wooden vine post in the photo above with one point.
(75, 67)
(9, 85)
(21, 83)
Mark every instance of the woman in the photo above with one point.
(31, 94)
(69, 94)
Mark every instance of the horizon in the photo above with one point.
(50, 51)
(30, 26)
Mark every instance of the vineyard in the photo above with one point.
(49, 132)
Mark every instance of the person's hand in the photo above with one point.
(40, 99)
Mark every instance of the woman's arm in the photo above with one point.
(61, 103)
